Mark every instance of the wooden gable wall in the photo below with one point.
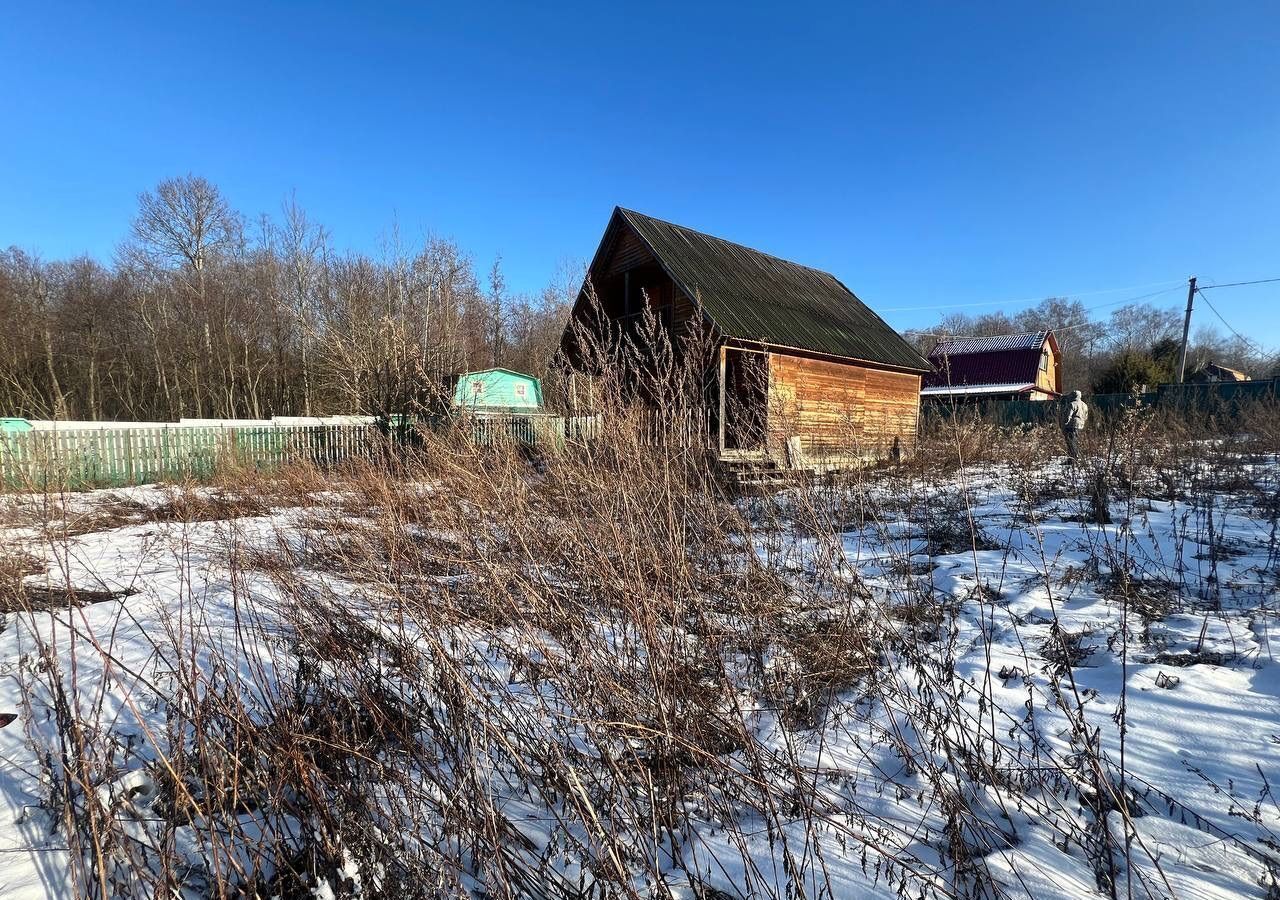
(628, 256)
(628, 252)
(1050, 379)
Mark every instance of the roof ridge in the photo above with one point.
(496, 369)
(982, 343)
(719, 240)
(992, 337)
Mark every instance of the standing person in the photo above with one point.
(1077, 415)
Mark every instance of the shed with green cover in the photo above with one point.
(496, 390)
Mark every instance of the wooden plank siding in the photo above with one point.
(628, 252)
(1047, 379)
(683, 309)
(629, 267)
(840, 410)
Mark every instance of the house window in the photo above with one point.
(630, 295)
(477, 390)
(1044, 361)
(522, 390)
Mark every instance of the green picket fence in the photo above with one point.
(80, 458)
(113, 457)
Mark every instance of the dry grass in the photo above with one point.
(490, 675)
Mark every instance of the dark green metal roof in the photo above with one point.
(752, 296)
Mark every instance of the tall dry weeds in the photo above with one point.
(594, 671)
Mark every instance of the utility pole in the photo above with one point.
(1186, 329)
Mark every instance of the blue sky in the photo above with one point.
(930, 155)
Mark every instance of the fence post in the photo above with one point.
(128, 454)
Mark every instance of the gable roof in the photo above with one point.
(1030, 340)
(752, 296)
(999, 360)
(495, 369)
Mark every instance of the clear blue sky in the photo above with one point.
(931, 155)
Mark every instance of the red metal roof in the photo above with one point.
(1003, 359)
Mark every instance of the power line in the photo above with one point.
(1257, 348)
(1199, 289)
(1031, 299)
(1204, 287)
(1127, 300)
(1080, 324)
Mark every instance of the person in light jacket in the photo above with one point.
(1073, 424)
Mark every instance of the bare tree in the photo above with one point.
(497, 311)
(305, 252)
(184, 222)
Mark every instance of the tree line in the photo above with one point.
(203, 313)
(206, 314)
(1136, 344)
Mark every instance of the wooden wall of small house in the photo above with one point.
(840, 409)
(1047, 379)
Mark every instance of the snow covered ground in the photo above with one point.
(1055, 708)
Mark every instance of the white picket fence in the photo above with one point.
(114, 456)
(529, 429)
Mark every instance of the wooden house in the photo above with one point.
(794, 365)
(1004, 367)
(1213, 373)
(496, 391)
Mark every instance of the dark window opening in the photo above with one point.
(746, 392)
